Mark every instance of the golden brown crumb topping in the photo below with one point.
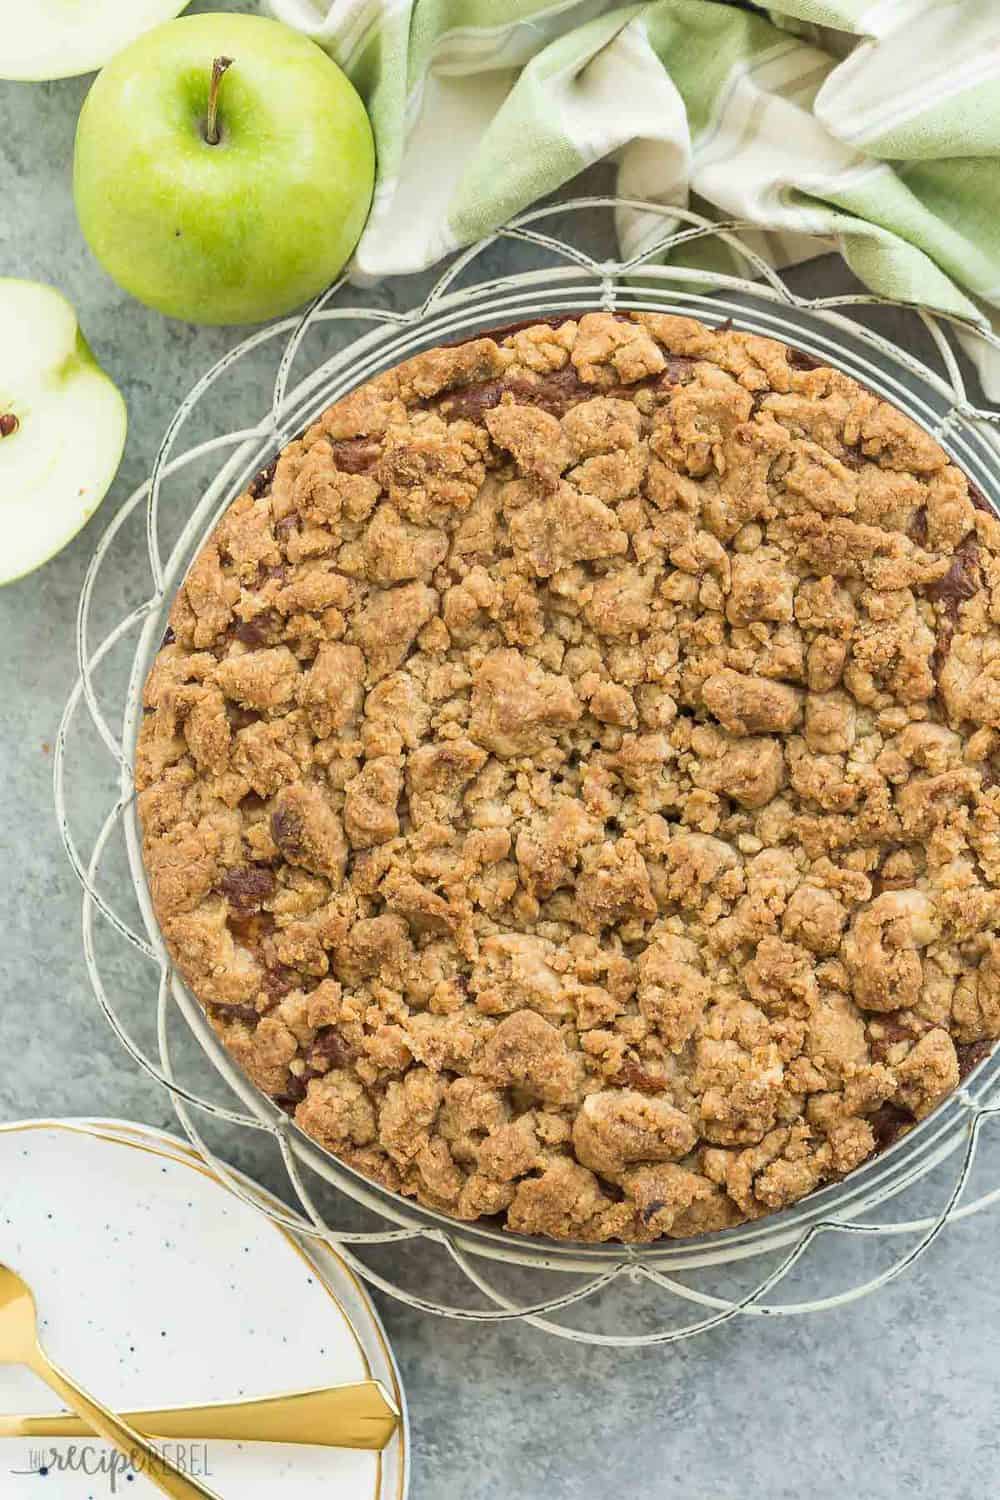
(572, 783)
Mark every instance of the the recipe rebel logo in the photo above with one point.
(117, 1468)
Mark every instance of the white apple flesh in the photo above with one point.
(45, 39)
(62, 427)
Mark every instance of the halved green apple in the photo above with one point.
(60, 38)
(62, 427)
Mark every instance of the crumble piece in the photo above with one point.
(516, 706)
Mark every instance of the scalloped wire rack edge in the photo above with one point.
(569, 279)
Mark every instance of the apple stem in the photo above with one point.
(212, 133)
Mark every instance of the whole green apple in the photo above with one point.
(224, 169)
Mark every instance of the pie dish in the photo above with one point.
(571, 784)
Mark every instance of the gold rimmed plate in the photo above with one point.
(160, 1287)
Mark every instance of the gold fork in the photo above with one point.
(19, 1345)
(340, 1416)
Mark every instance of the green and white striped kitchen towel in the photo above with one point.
(868, 125)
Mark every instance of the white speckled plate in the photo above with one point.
(157, 1286)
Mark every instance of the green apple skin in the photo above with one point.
(237, 232)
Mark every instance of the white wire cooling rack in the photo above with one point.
(902, 1200)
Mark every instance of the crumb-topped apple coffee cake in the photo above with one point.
(571, 779)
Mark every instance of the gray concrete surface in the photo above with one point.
(894, 1395)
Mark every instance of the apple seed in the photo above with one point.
(8, 424)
